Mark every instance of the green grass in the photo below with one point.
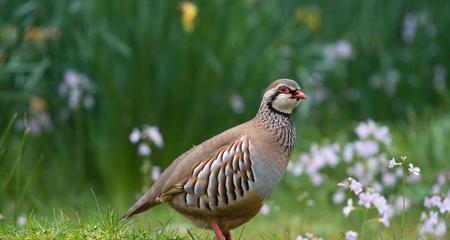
(147, 70)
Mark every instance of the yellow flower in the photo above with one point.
(34, 34)
(311, 16)
(190, 13)
(37, 104)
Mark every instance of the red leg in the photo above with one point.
(215, 226)
(227, 234)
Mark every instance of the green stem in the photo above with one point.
(403, 202)
(363, 226)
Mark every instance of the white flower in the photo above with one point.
(144, 150)
(2, 217)
(351, 235)
(413, 170)
(22, 220)
(135, 135)
(300, 237)
(348, 209)
(265, 210)
(393, 163)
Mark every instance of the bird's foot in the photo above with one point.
(227, 235)
(215, 226)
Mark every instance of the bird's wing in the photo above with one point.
(220, 180)
(180, 171)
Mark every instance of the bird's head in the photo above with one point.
(283, 95)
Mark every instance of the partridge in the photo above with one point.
(223, 182)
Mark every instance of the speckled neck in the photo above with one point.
(280, 124)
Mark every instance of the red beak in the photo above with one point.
(299, 95)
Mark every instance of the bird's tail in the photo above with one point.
(144, 203)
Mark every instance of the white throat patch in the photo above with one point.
(284, 103)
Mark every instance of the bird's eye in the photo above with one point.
(285, 90)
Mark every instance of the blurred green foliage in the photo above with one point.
(146, 68)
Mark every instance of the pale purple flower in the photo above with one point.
(365, 199)
(237, 104)
(72, 78)
(385, 220)
(352, 184)
(338, 197)
(300, 237)
(389, 179)
(377, 186)
(365, 129)
(265, 210)
(413, 170)
(135, 135)
(78, 90)
(348, 152)
(393, 163)
(433, 201)
(153, 134)
(341, 49)
(440, 229)
(355, 186)
(144, 150)
(348, 209)
(156, 172)
(398, 204)
(351, 235)
(432, 225)
(379, 202)
(357, 170)
(316, 179)
(369, 128)
(366, 148)
(382, 134)
(444, 205)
